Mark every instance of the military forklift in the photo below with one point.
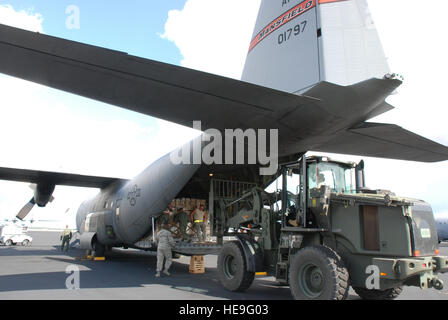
(323, 231)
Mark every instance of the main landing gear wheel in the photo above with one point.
(318, 273)
(232, 268)
(99, 249)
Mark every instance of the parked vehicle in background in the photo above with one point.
(13, 234)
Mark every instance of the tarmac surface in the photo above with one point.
(38, 272)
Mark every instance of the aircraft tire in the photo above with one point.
(232, 268)
(99, 249)
(318, 273)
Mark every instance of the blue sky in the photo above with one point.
(129, 26)
(53, 130)
(72, 133)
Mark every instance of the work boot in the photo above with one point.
(166, 272)
(158, 274)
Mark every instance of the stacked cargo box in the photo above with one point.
(188, 205)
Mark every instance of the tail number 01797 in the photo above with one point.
(286, 35)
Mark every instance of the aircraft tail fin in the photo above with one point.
(299, 43)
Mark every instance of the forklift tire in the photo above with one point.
(232, 268)
(318, 273)
(389, 294)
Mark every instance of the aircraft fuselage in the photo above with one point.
(121, 214)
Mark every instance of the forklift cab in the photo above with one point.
(321, 175)
(338, 176)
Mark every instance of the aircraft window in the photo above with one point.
(110, 232)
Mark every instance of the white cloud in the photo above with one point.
(21, 19)
(44, 132)
(64, 140)
(412, 41)
(419, 54)
(43, 129)
(15, 195)
(413, 44)
(441, 215)
(213, 35)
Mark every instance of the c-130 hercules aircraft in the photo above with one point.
(329, 77)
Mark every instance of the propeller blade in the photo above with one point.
(26, 209)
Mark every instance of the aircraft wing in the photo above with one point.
(182, 95)
(48, 180)
(164, 91)
(56, 178)
(385, 141)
